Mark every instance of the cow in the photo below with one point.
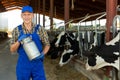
(70, 52)
(104, 55)
(54, 51)
(57, 45)
(61, 39)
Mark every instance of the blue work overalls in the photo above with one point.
(25, 68)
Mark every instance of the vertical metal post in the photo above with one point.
(44, 13)
(111, 9)
(51, 13)
(66, 11)
(36, 18)
(39, 11)
(79, 24)
(114, 30)
(36, 11)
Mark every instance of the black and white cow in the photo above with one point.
(104, 55)
(61, 39)
(58, 45)
(54, 51)
(72, 51)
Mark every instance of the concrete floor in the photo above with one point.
(7, 63)
(53, 72)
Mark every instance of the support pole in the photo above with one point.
(44, 13)
(51, 13)
(111, 9)
(66, 11)
(38, 11)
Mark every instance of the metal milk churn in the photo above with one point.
(30, 48)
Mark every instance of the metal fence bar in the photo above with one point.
(114, 29)
(85, 18)
(96, 41)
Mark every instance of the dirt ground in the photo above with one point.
(67, 72)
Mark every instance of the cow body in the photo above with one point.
(104, 55)
(100, 62)
(70, 52)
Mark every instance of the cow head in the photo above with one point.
(61, 39)
(91, 59)
(71, 51)
(66, 57)
(64, 37)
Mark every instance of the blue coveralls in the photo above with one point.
(25, 68)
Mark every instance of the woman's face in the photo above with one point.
(27, 17)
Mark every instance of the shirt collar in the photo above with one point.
(25, 31)
(23, 26)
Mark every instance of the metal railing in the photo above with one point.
(82, 19)
(85, 18)
(114, 33)
(114, 27)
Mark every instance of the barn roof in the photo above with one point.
(78, 8)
